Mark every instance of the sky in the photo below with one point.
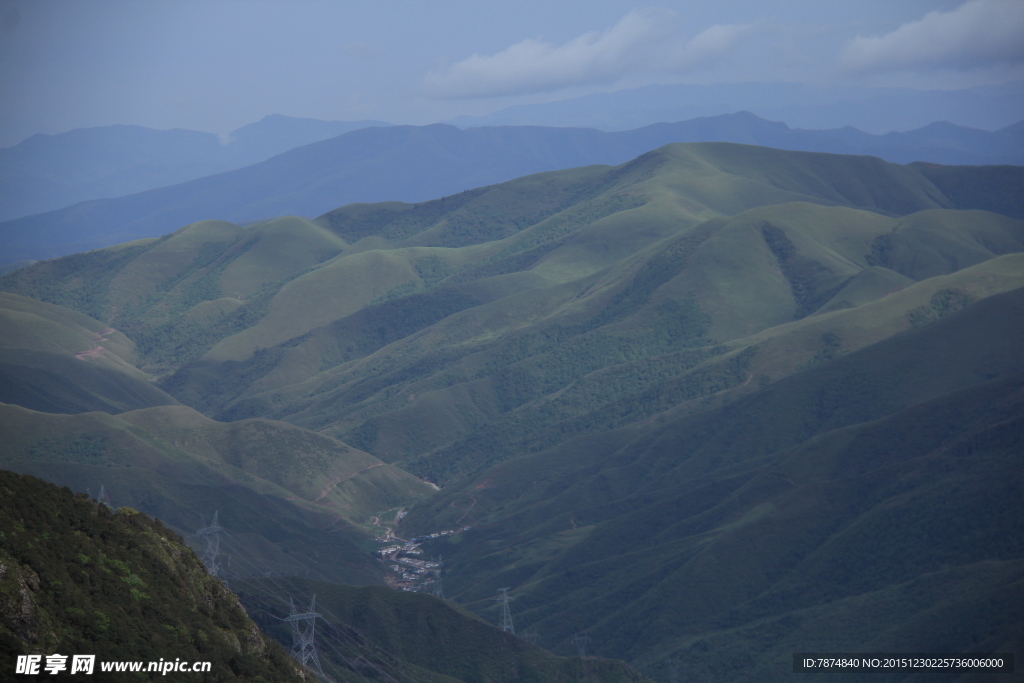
(215, 65)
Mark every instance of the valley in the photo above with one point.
(711, 406)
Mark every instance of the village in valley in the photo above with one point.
(409, 570)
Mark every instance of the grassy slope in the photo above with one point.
(426, 399)
(58, 360)
(280, 488)
(742, 523)
(585, 270)
(424, 638)
(80, 578)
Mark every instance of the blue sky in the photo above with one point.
(218, 64)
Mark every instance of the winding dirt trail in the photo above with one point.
(459, 520)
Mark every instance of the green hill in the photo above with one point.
(57, 360)
(379, 632)
(465, 298)
(90, 172)
(672, 398)
(871, 490)
(82, 579)
(286, 494)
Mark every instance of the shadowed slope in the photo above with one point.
(869, 474)
(383, 632)
(278, 486)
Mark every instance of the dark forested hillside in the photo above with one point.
(80, 578)
(833, 492)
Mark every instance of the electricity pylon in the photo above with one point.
(581, 642)
(438, 590)
(211, 534)
(303, 647)
(506, 615)
(532, 637)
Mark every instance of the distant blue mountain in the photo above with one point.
(47, 172)
(876, 110)
(415, 163)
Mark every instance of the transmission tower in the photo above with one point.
(581, 642)
(105, 497)
(438, 590)
(211, 534)
(532, 637)
(303, 647)
(506, 615)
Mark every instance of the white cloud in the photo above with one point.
(712, 44)
(976, 34)
(641, 42)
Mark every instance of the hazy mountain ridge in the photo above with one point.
(384, 164)
(48, 172)
(816, 107)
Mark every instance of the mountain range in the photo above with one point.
(711, 406)
(877, 110)
(47, 172)
(411, 164)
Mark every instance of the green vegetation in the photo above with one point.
(278, 487)
(943, 302)
(674, 399)
(830, 345)
(57, 360)
(81, 578)
(80, 282)
(737, 532)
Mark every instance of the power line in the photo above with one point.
(532, 637)
(211, 534)
(438, 590)
(265, 589)
(303, 636)
(581, 642)
(506, 615)
(390, 672)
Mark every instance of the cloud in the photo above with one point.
(712, 44)
(644, 41)
(976, 34)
